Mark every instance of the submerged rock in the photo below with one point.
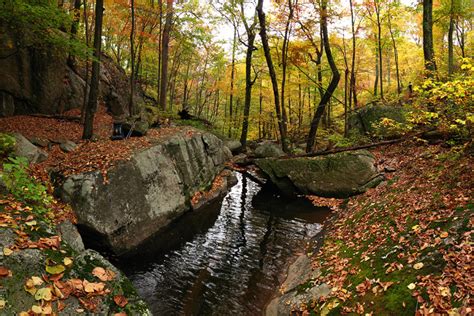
(339, 175)
(147, 192)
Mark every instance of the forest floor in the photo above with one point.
(404, 247)
(99, 154)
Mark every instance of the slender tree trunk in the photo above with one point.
(160, 38)
(86, 76)
(332, 85)
(450, 40)
(428, 51)
(164, 54)
(260, 103)
(353, 92)
(132, 58)
(74, 27)
(379, 46)
(271, 70)
(232, 78)
(284, 61)
(249, 82)
(376, 83)
(94, 90)
(395, 52)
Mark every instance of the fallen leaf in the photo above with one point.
(57, 269)
(44, 294)
(418, 266)
(120, 300)
(103, 274)
(31, 223)
(411, 286)
(36, 309)
(4, 272)
(36, 280)
(67, 261)
(2, 304)
(444, 235)
(7, 251)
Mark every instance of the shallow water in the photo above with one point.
(227, 259)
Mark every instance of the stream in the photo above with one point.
(226, 259)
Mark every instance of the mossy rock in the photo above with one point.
(364, 119)
(339, 175)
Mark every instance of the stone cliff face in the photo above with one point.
(147, 192)
(38, 80)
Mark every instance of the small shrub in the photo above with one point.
(22, 185)
(7, 144)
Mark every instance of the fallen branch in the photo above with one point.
(339, 150)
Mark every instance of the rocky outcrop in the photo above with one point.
(297, 288)
(147, 192)
(339, 175)
(38, 80)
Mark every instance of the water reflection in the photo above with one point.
(226, 259)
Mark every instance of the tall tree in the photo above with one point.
(428, 50)
(132, 58)
(332, 85)
(353, 92)
(165, 40)
(271, 69)
(249, 82)
(94, 86)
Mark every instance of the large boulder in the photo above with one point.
(267, 150)
(339, 175)
(147, 192)
(363, 120)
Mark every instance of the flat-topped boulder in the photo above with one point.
(338, 175)
(140, 196)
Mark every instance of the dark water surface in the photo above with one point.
(226, 259)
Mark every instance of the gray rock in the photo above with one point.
(138, 128)
(147, 192)
(38, 141)
(68, 146)
(23, 148)
(71, 236)
(290, 299)
(233, 145)
(364, 119)
(339, 175)
(268, 150)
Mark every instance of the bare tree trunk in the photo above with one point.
(232, 78)
(332, 85)
(428, 50)
(132, 59)
(164, 53)
(86, 76)
(353, 92)
(94, 90)
(395, 52)
(379, 46)
(450, 40)
(284, 60)
(271, 69)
